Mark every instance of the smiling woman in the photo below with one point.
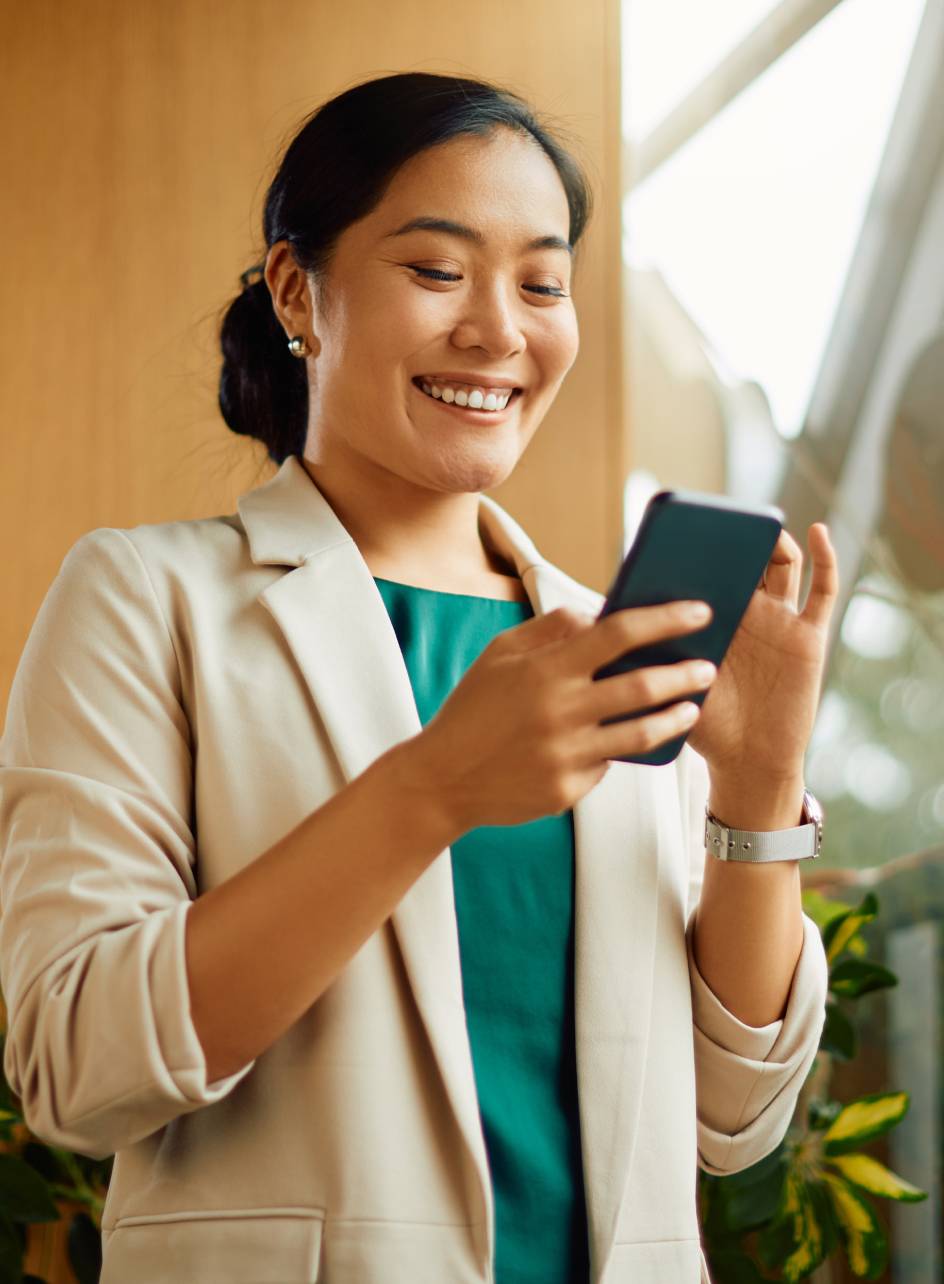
(427, 275)
(324, 883)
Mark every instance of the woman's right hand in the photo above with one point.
(519, 736)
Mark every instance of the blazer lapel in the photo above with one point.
(335, 623)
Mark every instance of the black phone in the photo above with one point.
(690, 546)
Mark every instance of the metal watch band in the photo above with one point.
(755, 846)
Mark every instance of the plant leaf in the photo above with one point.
(43, 1160)
(809, 1242)
(24, 1196)
(11, 1252)
(821, 909)
(840, 930)
(864, 1118)
(853, 977)
(820, 1114)
(839, 1037)
(864, 1171)
(85, 1249)
(866, 1244)
(731, 1266)
(775, 1243)
(750, 1206)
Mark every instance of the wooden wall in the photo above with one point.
(139, 141)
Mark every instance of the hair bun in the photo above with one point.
(334, 171)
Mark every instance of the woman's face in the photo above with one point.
(476, 311)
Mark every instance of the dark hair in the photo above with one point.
(334, 172)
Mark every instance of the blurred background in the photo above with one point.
(783, 283)
(761, 299)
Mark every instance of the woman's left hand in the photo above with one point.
(758, 716)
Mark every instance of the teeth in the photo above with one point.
(475, 399)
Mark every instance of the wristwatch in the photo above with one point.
(805, 840)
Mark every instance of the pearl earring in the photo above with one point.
(298, 346)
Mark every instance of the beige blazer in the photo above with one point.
(189, 692)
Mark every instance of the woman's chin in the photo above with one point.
(473, 470)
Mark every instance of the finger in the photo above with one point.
(824, 583)
(784, 570)
(639, 735)
(628, 628)
(645, 688)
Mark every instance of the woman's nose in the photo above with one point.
(489, 322)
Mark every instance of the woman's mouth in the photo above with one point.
(472, 401)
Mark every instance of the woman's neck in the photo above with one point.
(444, 547)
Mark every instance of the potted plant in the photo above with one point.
(812, 1197)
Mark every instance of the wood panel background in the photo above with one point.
(139, 140)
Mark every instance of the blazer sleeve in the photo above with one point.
(748, 1078)
(96, 863)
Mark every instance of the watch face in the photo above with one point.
(812, 808)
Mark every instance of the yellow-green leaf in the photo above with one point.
(820, 909)
(807, 1232)
(839, 931)
(864, 1171)
(866, 1245)
(863, 1119)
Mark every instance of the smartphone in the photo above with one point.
(690, 546)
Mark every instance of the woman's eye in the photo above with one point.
(436, 274)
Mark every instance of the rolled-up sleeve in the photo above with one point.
(97, 857)
(748, 1078)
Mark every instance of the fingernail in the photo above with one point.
(699, 611)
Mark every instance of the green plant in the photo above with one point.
(811, 1197)
(40, 1183)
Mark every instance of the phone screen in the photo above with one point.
(690, 546)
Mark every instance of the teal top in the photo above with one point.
(514, 896)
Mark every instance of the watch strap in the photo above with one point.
(757, 846)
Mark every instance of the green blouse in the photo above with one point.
(514, 895)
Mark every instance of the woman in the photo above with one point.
(322, 894)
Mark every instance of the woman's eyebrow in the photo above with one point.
(430, 224)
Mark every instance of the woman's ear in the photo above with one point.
(291, 292)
